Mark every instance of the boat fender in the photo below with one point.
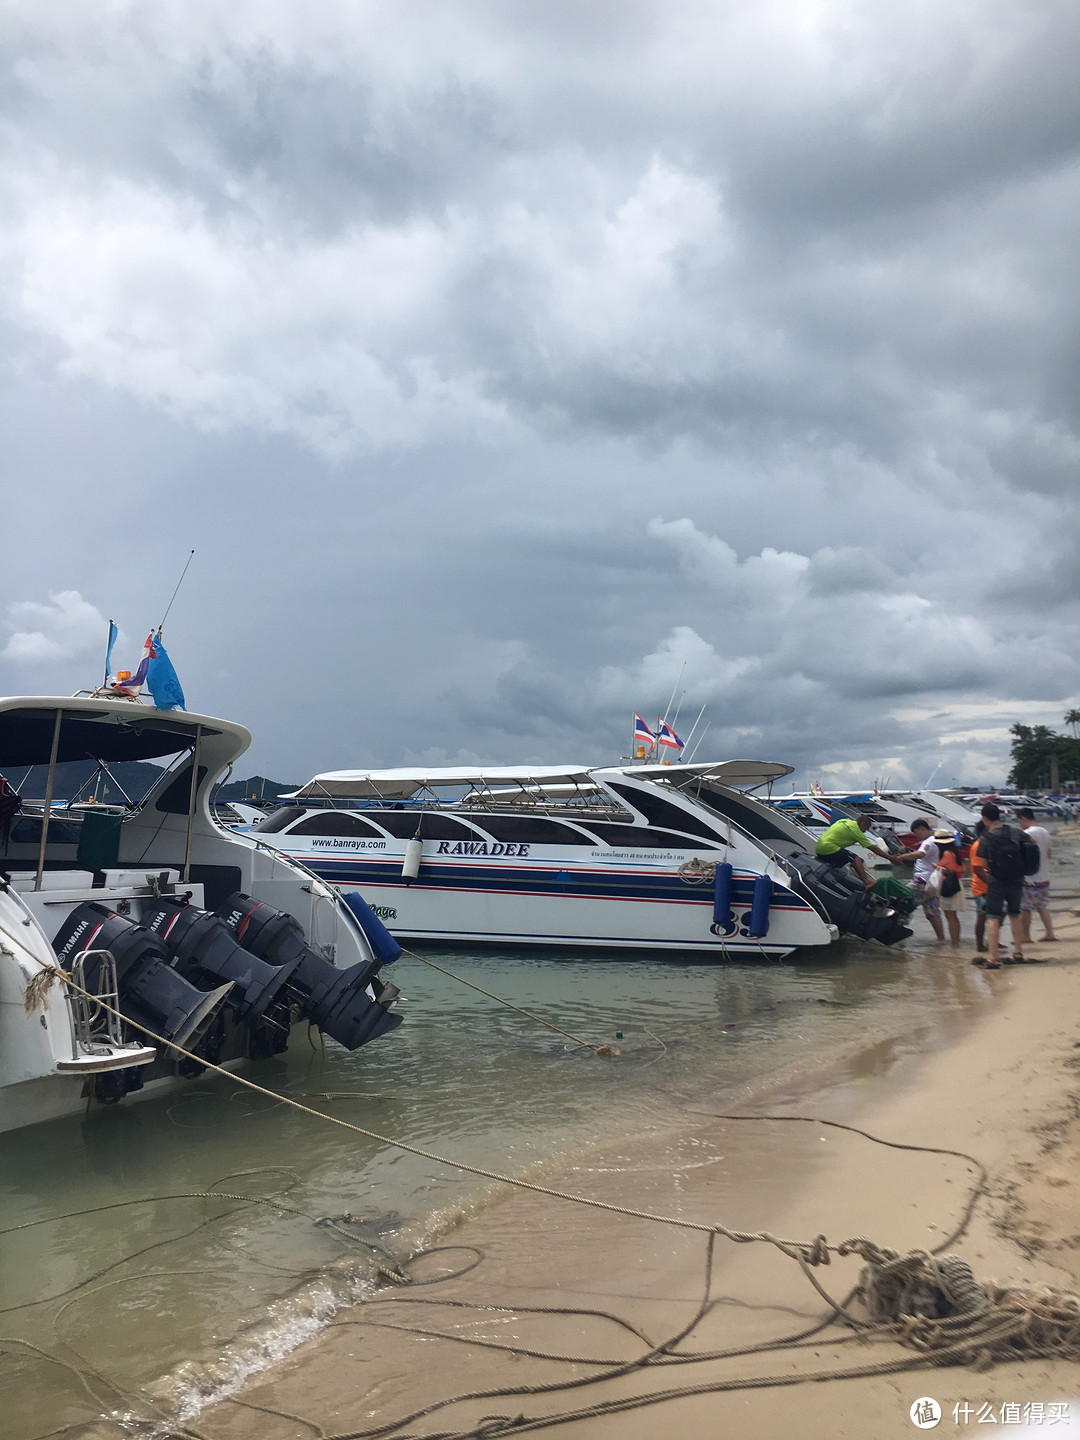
(759, 907)
(414, 853)
(723, 918)
(383, 945)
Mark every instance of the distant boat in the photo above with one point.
(674, 858)
(208, 938)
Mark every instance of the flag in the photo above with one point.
(113, 632)
(134, 683)
(161, 678)
(642, 734)
(666, 736)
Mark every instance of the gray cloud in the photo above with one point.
(412, 324)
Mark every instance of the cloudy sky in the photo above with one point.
(508, 365)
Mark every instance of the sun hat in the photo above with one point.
(944, 834)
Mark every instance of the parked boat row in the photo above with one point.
(217, 938)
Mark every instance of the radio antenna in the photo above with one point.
(178, 584)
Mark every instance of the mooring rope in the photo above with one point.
(604, 1050)
(927, 1301)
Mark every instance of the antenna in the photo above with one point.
(675, 687)
(694, 726)
(178, 584)
(697, 747)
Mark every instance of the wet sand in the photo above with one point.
(1005, 1092)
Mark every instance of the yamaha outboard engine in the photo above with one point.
(151, 993)
(202, 946)
(337, 1001)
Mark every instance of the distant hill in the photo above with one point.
(133, 777)
(257, 788)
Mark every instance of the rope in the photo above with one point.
(604, 1050)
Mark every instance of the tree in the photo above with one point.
(1072, 719)
(1032, 747)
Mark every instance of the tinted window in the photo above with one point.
(636, 837)
(278, 820)
(750, 820)
(405, 824)
(659, 811)
(334, 822)
(530, 830)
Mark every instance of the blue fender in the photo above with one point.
(759, 907)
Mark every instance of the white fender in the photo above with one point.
(414, 853)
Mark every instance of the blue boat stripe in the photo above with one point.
(593, 884)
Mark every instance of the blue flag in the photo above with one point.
(161, 678)
(108, 653)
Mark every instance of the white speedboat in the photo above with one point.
(644, 857)
(210, 940)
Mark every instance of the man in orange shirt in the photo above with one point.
(979, 877)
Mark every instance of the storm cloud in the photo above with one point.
(510, 366)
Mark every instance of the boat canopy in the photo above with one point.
(403, 784)
(109, 730)
(726, 772)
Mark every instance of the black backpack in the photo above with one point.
(1012, 854)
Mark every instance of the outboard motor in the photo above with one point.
(151, 993)
(198, 941)
(337, 1001)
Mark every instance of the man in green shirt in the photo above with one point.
(831, 843)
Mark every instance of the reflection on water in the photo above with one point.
(188, 1282)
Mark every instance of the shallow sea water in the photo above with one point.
(140, 1311)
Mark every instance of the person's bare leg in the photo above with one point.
(1025, 926)
(1016, 926)
(952, 919)
(860, 871)
(1048, 924)
(993, 928)
(980, 932)
(937, 927)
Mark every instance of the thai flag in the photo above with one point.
(642, 734)
(132, 684)
(666, 736)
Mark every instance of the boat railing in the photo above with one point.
(95, 1024)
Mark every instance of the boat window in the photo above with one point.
(637, 837)
(761, 827)
(277, 820)
(530, 830)
(422, 825)
(659, 811)
(334, 822)
(27, 831)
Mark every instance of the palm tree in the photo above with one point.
(1072, 719)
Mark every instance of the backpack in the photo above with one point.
(1011, 854)
(950, 884)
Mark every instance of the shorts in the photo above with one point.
(1001, 894)
(954, 903)
(931, 904)
(1036, 893)
(838, 859)
(980, 903)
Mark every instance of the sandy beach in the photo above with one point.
(537, 1292)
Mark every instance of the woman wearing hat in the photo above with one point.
(951, 867)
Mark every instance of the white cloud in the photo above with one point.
(67, 628)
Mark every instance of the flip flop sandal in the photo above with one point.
(991, 965)
(979, 960)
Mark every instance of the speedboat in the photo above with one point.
(139, 941)
(643, 857)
